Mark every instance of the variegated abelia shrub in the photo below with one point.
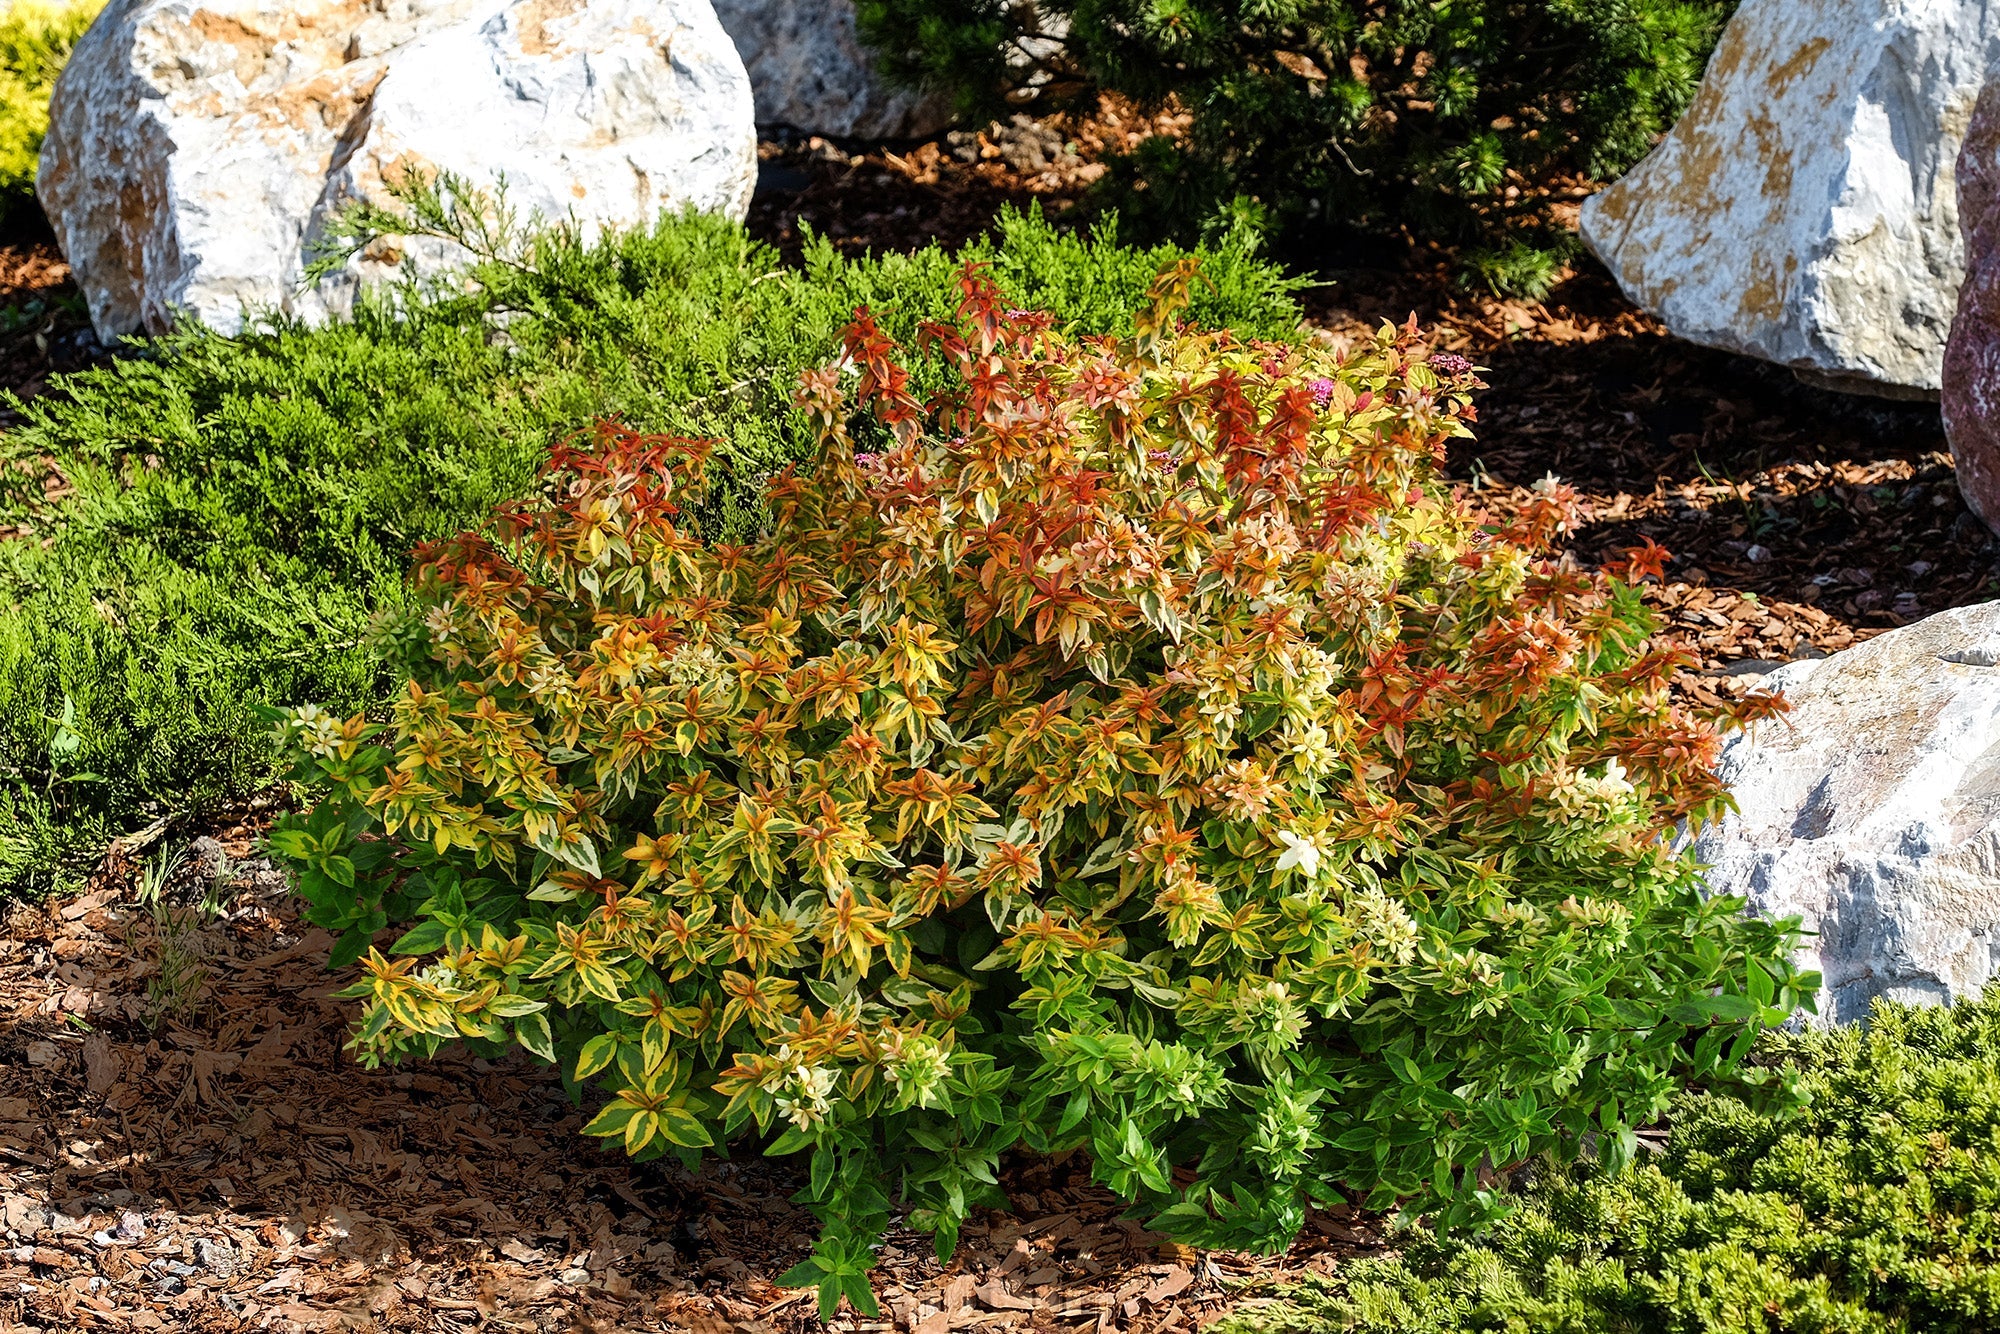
(1134, 749)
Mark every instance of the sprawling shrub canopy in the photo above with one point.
(1129, 747)
(1336, 116)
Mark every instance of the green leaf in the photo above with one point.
(532, 1032)
(1108, 856)
(793, 1140)
(507, 1005)
(823, 1162)
(348, 948)
(595, 1056)
(857, 1291)
(612, 1121)
(423, 938)
(805, 1274)
(683, 1128)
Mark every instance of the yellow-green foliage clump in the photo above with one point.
(1130, 747)
(35, 41)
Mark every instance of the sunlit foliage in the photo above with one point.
(1130, 747)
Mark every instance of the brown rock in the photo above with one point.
(1972, 353)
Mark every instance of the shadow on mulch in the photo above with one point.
(44, 327)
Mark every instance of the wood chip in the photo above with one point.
(995, 1297)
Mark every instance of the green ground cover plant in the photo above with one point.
(1331, 118)
(1128, 746)
(230, 514)
(1870, 1211)
(35, 42)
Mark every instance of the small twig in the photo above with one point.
(783, 1302)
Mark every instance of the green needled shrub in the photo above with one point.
(236, 510)
(1324, 117)
(1874, 1210)
(35, 40)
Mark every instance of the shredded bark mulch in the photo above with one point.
(184, 1145)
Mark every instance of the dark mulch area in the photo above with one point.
(44, 329)
(883, 198)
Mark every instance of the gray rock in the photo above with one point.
(1872, 811)
(1804, 210)
(196, 148)
(809, 70)
(217, 1257)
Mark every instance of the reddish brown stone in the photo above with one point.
(1972, 354)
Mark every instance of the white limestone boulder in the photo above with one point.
(810, 70)
(196, 147)
(1804, 209)
(1872, 811)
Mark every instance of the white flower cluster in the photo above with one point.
(1310, 749)
(1592, 808)
(318, 731)
(443, 622)
(1385, 924)
(1302, 851)
(1313, 674)
(1269, 1020)
(552, 686)
(803, 1092)
(1599, 795)
(693, 665)
(1220, 679)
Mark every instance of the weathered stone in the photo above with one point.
(197, 147)
(1804, 209)
(1972, 356)
(1872, 811)
(809, 70)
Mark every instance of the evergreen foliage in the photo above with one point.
(1331, 117)
(35, 42)
(1870, 1211)
(1132, 746)
(233, 512)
